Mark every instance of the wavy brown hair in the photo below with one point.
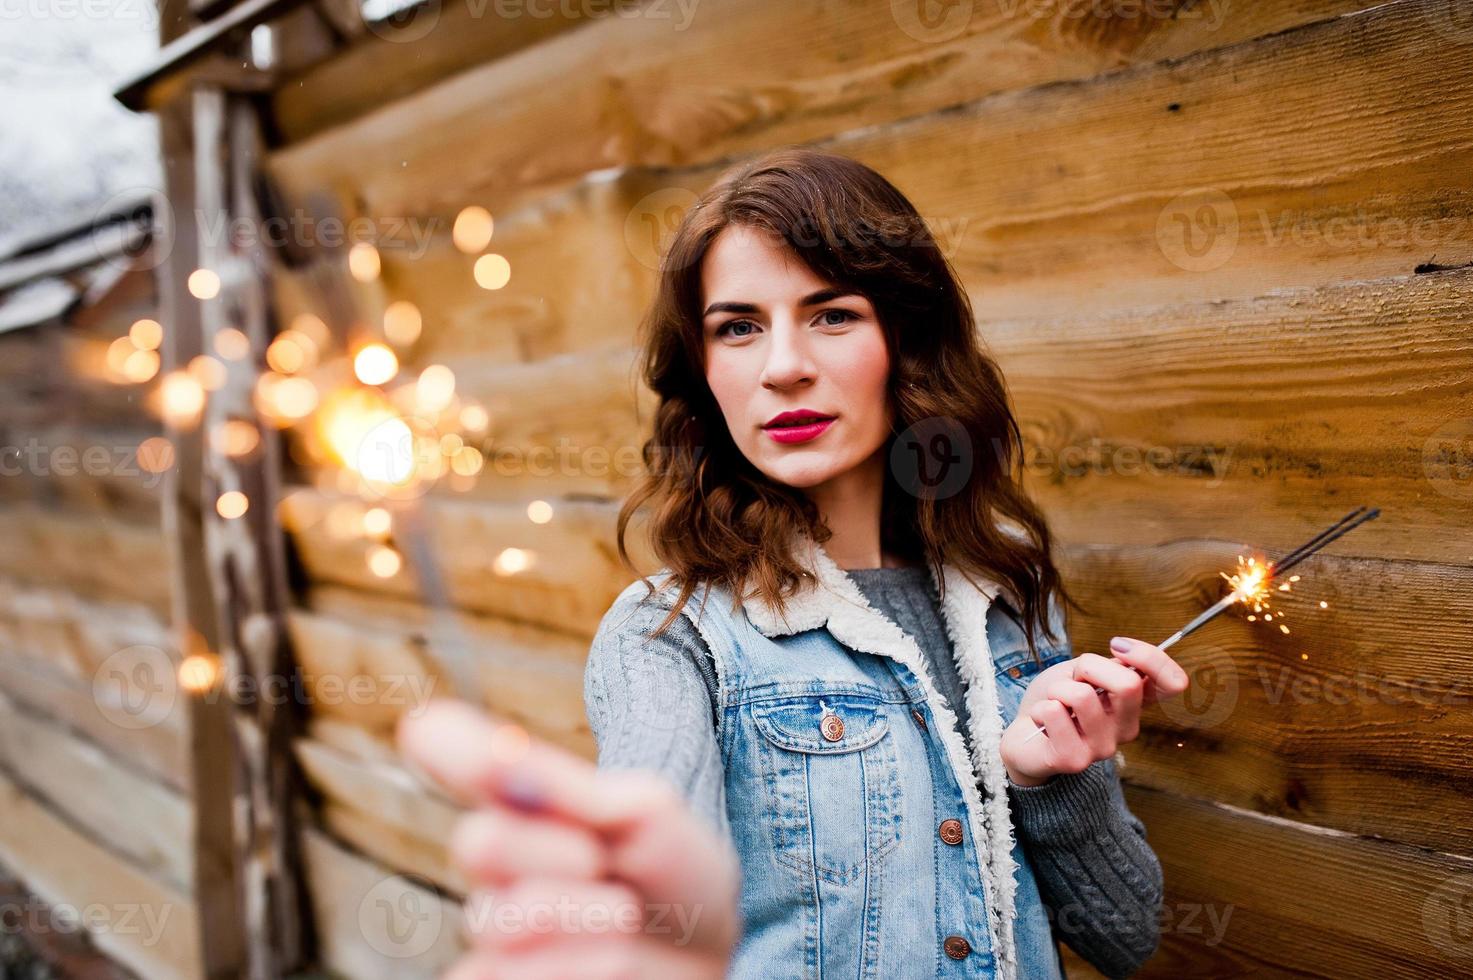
(715, 517)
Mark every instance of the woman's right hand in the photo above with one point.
(574, 872)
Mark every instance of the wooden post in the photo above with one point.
(211, 750)
(230, 590)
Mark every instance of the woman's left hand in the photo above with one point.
(1084, 726)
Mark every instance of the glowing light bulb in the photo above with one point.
(492, 271)
(472, 230)
(232, 504)
(146, 334)
(375, 364)
(204, 284)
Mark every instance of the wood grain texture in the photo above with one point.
(527, 674)
(394, 61)
(157, 749)
(375, 924)
(659, 90)
(383, 811)
(135, 817)
(1261, 420)
(147, 925)
(573, 578)
(1357, 719)
(1254, 895)
(94, 557)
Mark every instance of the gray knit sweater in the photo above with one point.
(652, 704)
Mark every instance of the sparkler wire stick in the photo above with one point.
(1314, 543)
(1339, 529)
(448, 642)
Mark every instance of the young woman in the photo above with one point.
(813, 727)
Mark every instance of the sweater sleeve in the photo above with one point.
(1095, 869)
(651, 703)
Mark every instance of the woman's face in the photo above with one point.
(779, 339)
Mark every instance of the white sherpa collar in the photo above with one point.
(832, 600)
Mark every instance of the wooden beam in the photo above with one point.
(1254, 895)
(375, 924)
(149, 926)
(131, 814)
(574, 576)
(1356, 719)
(141, 92)
(191, 128)
(655, 90)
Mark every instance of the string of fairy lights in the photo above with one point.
(373, 434)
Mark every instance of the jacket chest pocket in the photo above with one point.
(832, 783)
(1016, 669)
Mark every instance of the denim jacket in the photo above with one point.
(870, 844)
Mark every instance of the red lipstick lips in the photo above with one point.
(800, 425)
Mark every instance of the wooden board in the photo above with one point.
(672, 90)
(92, 556)
(377, 806)
(138, 818)
(399, 57)
(147, 925)
(1357, 719)
(75, 636)
(373, 924)
(528, 675)
(1254, 895)
(1261, 420)
(573, 579)
(156, 749)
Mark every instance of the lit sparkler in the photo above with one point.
(1252, 582)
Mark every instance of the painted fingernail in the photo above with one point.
(522, 792)
(1119, 644)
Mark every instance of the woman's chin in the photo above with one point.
(801, 473)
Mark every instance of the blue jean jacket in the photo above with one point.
(871, 845)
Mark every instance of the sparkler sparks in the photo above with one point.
(1251, 582)
(1252, 586)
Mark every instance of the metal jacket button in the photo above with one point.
(832, 727)
(956, 947)
(951, 831)
(920, 718)
(1015, 671)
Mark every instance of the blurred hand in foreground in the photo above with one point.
(574, 871)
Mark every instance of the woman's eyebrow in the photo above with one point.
(812, 299)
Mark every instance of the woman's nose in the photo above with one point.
(789, 361)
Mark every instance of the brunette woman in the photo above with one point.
(813, 721)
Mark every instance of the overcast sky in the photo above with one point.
(66, 145)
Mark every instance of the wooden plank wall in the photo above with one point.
(1222, 254)
(93, 761)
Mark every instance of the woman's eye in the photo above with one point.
(845, 314)
(727, 327)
